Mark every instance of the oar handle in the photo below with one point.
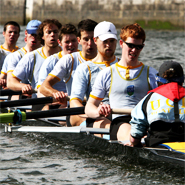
(121, 111)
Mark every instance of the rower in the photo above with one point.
(161, 114)
(68, 42)
(105, 37)
(11, 32)
(126, 83)
(32, 43)
(30, 64)
(66, 66)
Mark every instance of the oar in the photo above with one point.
(9, 92)
(18, 116)
(29, 101)
(42, 129)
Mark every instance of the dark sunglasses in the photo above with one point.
(130, 45)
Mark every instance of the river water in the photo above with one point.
(37, 159)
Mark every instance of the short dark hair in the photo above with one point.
(86, 25)
(11, 23)
(40, 30)
(67, 29)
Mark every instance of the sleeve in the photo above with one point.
(101, 85)
(24, 68)
(63, 68)
(13, 61)
(5, 65)
(80, 82)
(152, 79)
(2, 58)
(139, 122)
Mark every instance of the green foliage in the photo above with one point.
(158, 25)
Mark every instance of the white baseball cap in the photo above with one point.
(105, 30)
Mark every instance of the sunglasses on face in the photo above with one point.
(131, 46)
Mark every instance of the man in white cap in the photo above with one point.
(12, 59)
(105, 38)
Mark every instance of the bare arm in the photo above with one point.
(95, 109)
(76, 120)
(3, 80)
(47, 90)
(47, 86)
(14, 84)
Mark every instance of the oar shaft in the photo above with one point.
(8, 117)
(55, 113)
(8, 92)
(22, 102)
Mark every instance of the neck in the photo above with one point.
(65, 53)
(126, 63)
(29, 49)
(48, 51)
(100, 58)
(9, 47)
(89, 56)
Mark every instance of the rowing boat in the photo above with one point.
(171, 154)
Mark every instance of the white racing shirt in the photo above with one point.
(47, 67)
(65, 68)
(29, 67)
(105, 80)
(85, 76)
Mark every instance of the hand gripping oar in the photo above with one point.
(18, 116)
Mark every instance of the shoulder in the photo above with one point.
(83, 67)
(105, 73)
(77, 53)
(50, 60)
(38, 50)
(67, 57)
(152, 70)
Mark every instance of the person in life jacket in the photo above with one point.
(161, 114)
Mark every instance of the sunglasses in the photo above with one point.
(130, 45)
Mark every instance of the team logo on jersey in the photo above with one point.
(130, 90)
